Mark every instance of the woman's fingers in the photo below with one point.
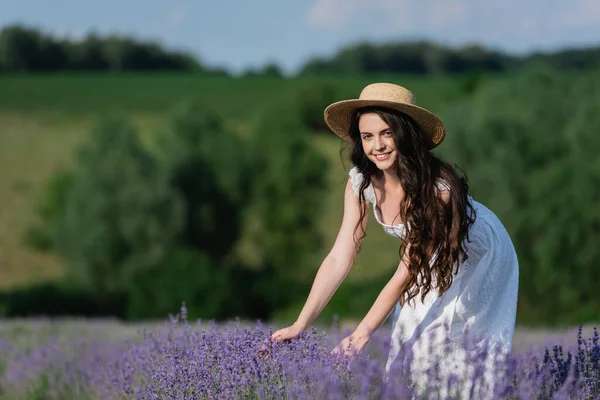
(277, 335)
(283, 334)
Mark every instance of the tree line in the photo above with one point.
(425, 57)
(27, 49)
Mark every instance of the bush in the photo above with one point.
(42, 236)
(58, 300)
(188, 276)
(120, 218)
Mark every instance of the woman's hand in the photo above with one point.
(288, 333)
(351, 345)
(282, 335)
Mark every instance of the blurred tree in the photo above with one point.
(310, 101)
(186, 275)
(118, 52)
(120, 217)
(286, 193)
(568, 59)
(42, 236)
(528, 146)
(424, 57)
(208, 165)
(19, 48)
(317, 66)
(88, 54)
(272, 69)
(220, 222)
(27, 49)
(205, 164)
(312, 98)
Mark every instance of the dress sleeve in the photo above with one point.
(442, 185)
(356, 178)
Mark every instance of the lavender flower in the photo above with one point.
(179, 360)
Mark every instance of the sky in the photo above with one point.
(242, 34)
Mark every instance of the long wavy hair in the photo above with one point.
(433, 227)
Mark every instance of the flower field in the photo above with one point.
(204, 360)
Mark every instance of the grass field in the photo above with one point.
(237, 97)
(45, 117)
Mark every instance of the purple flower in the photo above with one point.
(179, 360)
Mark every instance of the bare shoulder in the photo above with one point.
(352, 208)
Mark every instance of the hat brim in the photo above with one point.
(339, 115)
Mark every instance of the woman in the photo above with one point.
(458, 268)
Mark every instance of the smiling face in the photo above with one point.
(377, 141)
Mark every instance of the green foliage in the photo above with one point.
(415, 57)
(58, 299)
(42, 236)
(529, 148)
(207, 165)
(425, 57)
(24, 48)
(271, 69)
(164, 225)
(289, 181)
(310, 102)
(120, 216)
(351, 300)
(186, 275)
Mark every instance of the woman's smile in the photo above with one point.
(382, 156)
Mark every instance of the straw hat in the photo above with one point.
(338, 115)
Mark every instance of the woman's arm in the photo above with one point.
(333, 270)
(338, 262)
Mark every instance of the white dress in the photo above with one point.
(481, 300)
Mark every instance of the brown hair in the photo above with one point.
(431, 224)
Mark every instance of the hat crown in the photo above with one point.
(388, 92)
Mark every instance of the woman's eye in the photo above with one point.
(388, 133)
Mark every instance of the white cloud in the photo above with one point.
(177, 16)
(335, 13)
(174, 18)
(446, 13)
(403, 14)
(498, 23)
